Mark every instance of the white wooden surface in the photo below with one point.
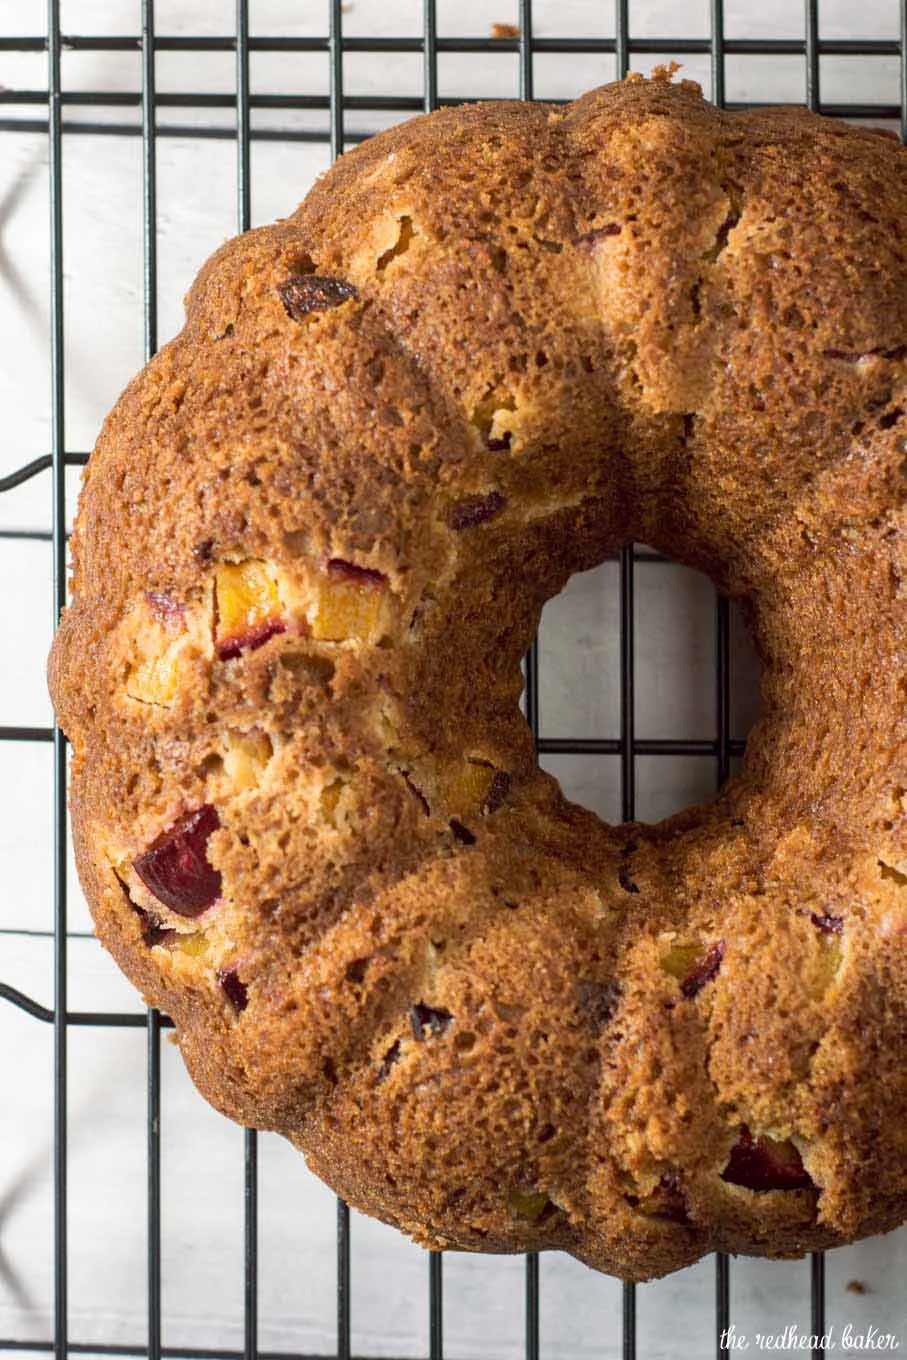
(202, 1166)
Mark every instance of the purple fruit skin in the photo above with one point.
(828, 924)
(416, 792)
(304, 293)
(590, 239)
(703, 972)
(497, 794)
(175, 867)
(231, 647)
(341, 570)
(473, 510)
(164, 607)
(233, 988)
(756, 1165)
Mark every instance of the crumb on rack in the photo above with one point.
(501, 31)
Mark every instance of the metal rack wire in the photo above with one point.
(53, 123)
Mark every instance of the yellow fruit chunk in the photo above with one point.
(476, 781)
(476, 786)
(681, 959)
(528, 1204)
(246, 757)
(155, 680)
(158, 633)
(827, 965)
(329, 798)
(249, 610)
(194, 946)
(349, 603)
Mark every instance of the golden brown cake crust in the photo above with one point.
(313, 543)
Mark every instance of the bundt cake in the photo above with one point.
(313, 543)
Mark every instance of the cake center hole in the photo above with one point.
(665, 689)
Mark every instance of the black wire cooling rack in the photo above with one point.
(616, 54)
